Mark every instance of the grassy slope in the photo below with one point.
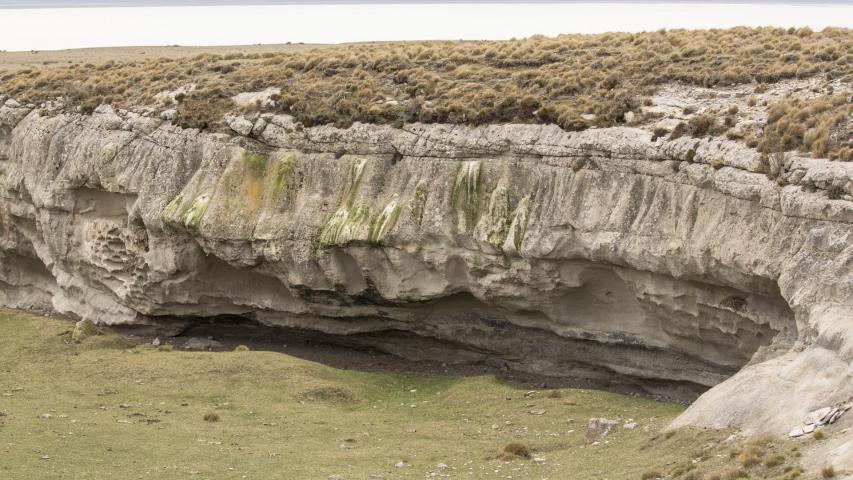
(103, 393)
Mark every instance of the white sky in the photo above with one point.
(50, 29)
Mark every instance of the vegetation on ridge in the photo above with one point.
(575, 81)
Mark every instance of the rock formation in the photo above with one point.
(669, 265)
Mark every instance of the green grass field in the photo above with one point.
(107, 408)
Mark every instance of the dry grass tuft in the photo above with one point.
(750, 455)
(827, 472)
(241, 348)
(211, 417)
(822, 126)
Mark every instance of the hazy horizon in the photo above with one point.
(29, 4)
(45, 27)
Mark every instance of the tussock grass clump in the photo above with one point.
(651, 475)
(827, 472)
(774, 461)
(818, 435)
(211, 417)
(241, 348)
(554, 394)
(822, 126)
(751, 455)
(515, 450)
(575, 81)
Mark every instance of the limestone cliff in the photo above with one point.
(669, 265)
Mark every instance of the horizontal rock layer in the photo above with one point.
(673, 266)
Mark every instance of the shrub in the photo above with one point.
(774, 461)
(241, 348)
(703, 124)
(818, 434)
(515, 449)
(827, 472)
(651, 475)
(658, 133)
(750, 455)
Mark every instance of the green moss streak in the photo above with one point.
(466, 191)
(195, 214)
(384, 222)
(518, 227)
(256, 163)
(351, 218)
(345, 225)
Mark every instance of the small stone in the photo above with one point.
(156, 342)
(598, 427)
(630, 426)
(401, 465)
(46, 416)
(441, 466)
(537, 412)
(45, 457)
(539, 460)
(336, 477)
(239, 124)
(169, 114)
(816, 416)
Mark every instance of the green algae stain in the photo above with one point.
(518, 226)
(348, 223)
(352, 219)
(179, 213)
(419, 203)
(195, 213)
(356, 173)
(386, 220)
(466, 191)
(256, 163)
(284, 179)
(169, 213)
(499, 216)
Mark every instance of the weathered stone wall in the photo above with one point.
(667, 265)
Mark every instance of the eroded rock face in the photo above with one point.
(674, 266)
